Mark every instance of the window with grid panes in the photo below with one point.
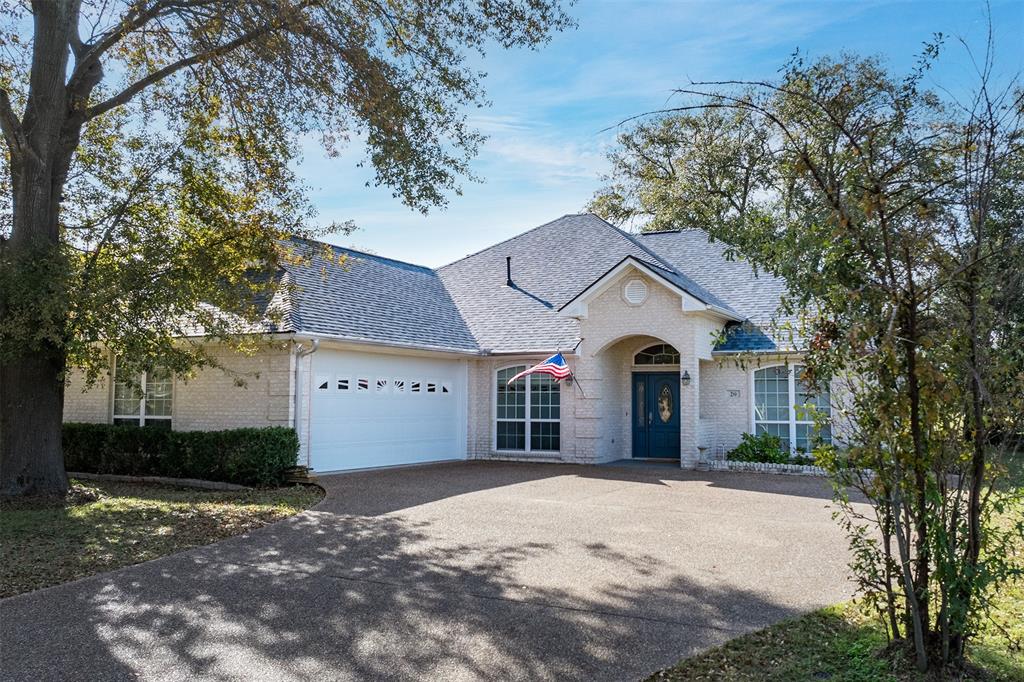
(528, 412)
(787, 407)
(145, 400)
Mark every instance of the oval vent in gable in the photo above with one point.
(635, 291)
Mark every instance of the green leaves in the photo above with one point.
(894, 216)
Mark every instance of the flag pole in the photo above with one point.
(576, 381)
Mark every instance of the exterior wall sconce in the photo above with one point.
(685, 378)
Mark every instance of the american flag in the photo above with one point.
(555, 366)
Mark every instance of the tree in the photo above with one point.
(894, 216)
(148, 167)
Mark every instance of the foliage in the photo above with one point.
(848, 642)
(764, 447)
(250, 456)
(116, 524)
(895, 217)
(148, 168)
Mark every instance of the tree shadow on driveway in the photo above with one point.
(350, 591)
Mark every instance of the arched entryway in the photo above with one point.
(655, 402)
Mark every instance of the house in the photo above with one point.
(379, 362)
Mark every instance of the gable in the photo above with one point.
(630, 268)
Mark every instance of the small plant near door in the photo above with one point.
(764, 447)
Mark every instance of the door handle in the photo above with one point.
(650, 418)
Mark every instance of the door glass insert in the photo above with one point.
(665, 404)
(641, 402)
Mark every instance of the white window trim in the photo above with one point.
(792, 421)
(526, 418)
(141, 416)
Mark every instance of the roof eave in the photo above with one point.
(362, 341)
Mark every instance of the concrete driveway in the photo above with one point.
(451, 572)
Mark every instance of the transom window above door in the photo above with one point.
(658, 354)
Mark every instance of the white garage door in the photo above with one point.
(372, 410)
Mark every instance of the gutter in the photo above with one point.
(316, 337)
(301, 352)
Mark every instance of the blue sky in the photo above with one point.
(551, 108)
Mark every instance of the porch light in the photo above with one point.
(685, 378)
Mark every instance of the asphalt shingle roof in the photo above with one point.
(753, 295)
(370, 298)
(551, 264)
(466, 305)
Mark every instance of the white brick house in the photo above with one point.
(382, 363)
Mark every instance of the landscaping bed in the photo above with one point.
(101, 526)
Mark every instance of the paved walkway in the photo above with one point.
(453, 572)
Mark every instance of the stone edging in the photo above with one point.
(763, 467)
(163, 480)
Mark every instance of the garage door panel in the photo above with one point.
(372, 410)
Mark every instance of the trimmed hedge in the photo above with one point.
(254, 456)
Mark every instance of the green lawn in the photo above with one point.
(844, 644)
(104, 526)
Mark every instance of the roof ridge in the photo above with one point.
(505, 241)
(364, 253)
(633, 240)
(667, 230)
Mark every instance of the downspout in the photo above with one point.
(300, 353)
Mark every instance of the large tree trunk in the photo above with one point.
(31, 408)
(32, 370)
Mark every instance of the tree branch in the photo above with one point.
(246, 38)
(88, 54)
(155, 77)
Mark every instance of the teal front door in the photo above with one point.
(656, 415)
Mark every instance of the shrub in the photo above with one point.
(250, 456)
(763, 447)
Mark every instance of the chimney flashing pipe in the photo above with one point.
(508, 271)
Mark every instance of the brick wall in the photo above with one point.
(86, 405)
(254, 391)
(724, 405)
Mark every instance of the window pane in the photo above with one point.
(771, 394)
(511, 400)
(126, 397)
(781, 431)
(126, 421)
(511, 435)
(164, 424)
(158, 393)
(660, 354)
(544, 436)
(807, 437)
(544, 397)
(641, 402)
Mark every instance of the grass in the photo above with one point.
(103, 526)
(843, 643)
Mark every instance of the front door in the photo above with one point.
(656, 415)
